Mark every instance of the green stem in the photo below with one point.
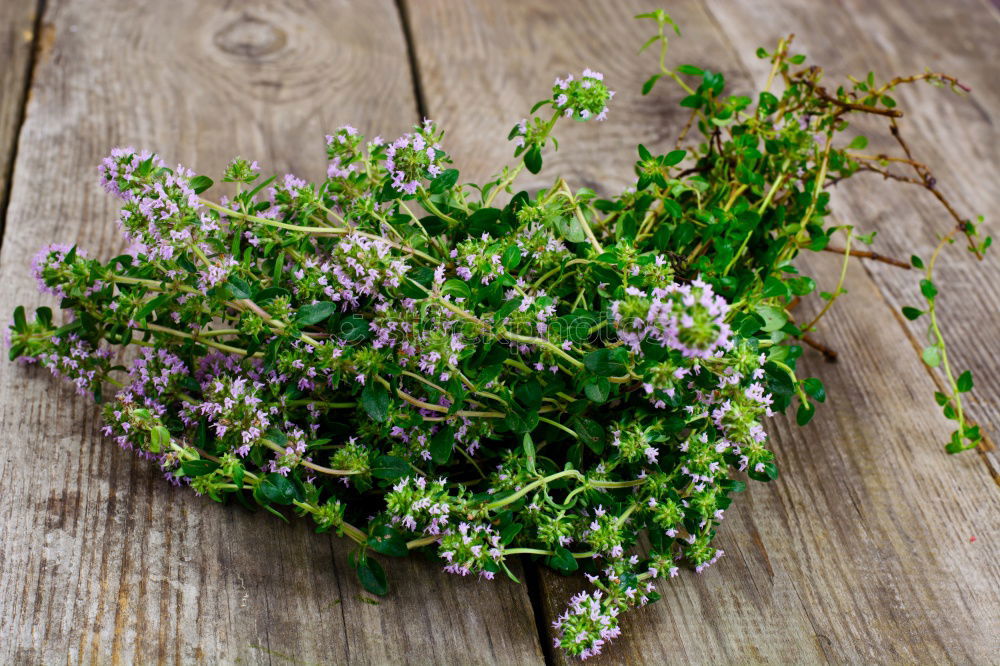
(320, 403)
(423, 541)
(840, 284)
(760, 210)
(181, 334)
(425, 201)
(512, 174)
(305, 463)
(580, 217)
(538, 551)
(559, 425)
(318, 231)
(939, 337)
(795, 380)
(510, 499)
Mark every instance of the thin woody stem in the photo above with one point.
(867, 254)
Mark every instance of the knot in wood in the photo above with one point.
(250, 37)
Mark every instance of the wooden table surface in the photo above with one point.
(873, 546)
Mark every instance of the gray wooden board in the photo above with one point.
(17, 39)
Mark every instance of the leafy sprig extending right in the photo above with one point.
(808, 101)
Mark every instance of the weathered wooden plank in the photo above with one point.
(17, 39)
(100, 560)
(956, 136)
(861, 551)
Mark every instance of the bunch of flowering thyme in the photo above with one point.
(414, 366)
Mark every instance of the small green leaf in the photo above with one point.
(571, 229)
(674, 157)
(529, 452)
(932, 356)
(314, 313)
(533, 159)
(238, 288)
(265, 296)
(457, 289)
(390, 468)
(955, 445)
(650, 82)
(815, 389)
(563, 560)
(278, 489)
(508, 533)
(928, 289)
(521, 421)
(690, 70)
(692, 101)
(867, 239)
(444, 181)
(964, 382)
(200, 183)
(774, 317)
(604, 362)
(442, 444)
(483, 217)
(238, 475)
(858, 143)
(159, 439)
(44, 315)
(388, 541)
(372, 576)
(597, 389)
(911, 313)
(591, 433)
(804, 414)
(354, 329)
(529, 393)
(511, 257)
(506, 309)
(20, 323)
(375, 400)
(916, 261)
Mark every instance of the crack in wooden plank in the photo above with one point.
(21, 103)
(411, 56)
(536, 593)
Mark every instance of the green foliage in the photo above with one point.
(417, 362)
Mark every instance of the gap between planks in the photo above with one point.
(8, 151)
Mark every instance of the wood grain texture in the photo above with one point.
(17, 39)
(100, 560)
(861, 552)
(956, 136)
